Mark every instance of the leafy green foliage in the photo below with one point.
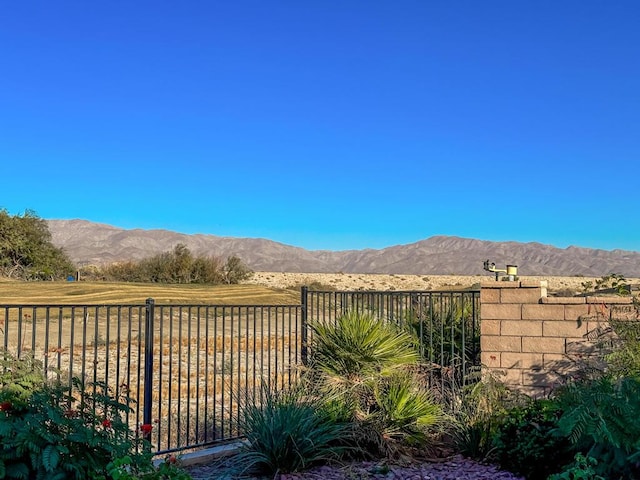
(126, 468)
(50, 430)
(624, 359)
(18, 379)
(525, 443)
(582, 468)
(614, 282)
(26, 251)
(599, 418)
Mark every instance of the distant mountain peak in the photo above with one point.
(89, 242)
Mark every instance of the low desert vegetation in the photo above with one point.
(363, 396)
(360, 396)
(26, 253)
(178, 266)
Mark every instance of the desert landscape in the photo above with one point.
(355, 281)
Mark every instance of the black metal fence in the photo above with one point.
(446, 324)
(190, 369)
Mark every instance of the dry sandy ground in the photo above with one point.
(357, 281)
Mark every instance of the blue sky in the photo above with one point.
(327, 125)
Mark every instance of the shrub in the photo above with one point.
(366, 369)
(56, 431)
(404, 410)
(477, 410)
(599, 418)
(525, 443)
(288, 432)
(582, 468)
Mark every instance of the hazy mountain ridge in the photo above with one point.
(88, 242)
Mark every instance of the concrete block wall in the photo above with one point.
(527, 337)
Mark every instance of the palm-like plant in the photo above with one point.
(405, 409)
(365, 368)
(359, 345)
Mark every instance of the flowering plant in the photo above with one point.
(60, 431)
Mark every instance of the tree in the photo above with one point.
(235, 270)
(26, 251)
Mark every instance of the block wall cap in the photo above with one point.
(498, 284)
(564, 300)
(609, 300)
(517, 284)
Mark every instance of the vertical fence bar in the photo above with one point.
(148, 364)
(304, 299)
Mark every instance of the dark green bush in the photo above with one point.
(50, 430)
(582, 468)
(600, 418)
(525, 443)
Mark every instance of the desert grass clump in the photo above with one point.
(288, 432)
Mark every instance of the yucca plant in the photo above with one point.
(406, 409)
(365, 368)
(288, 432)
(358, 345)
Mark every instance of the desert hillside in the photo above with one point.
(92, 243)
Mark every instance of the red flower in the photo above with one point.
(106, 423)
(5, 406)
(171, 459)
(146, 428)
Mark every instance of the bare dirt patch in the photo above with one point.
(361, 281)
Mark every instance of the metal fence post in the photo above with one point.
(148, 365)
(304, 301)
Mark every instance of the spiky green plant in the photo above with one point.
(358, 345)
(288, 432)
(365, 369)
(476, 410)
(406, 409)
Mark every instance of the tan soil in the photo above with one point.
(358, 281)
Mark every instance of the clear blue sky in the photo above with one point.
(327, 125)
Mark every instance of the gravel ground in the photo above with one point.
(456, 468)
(360, 281)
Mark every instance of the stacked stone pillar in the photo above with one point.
(531, 340)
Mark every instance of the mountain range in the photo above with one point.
(93, 243)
